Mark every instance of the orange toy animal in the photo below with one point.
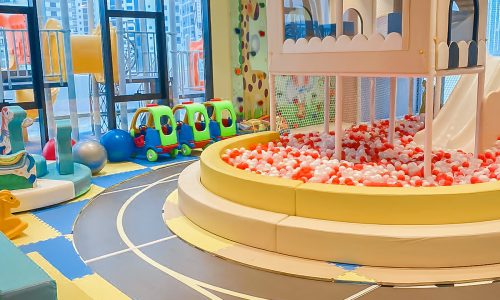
(10, 225)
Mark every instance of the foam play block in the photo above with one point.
(65, 288)
(64, 157)
(20, 277)
(233, 221)
(398, 246)
(266, 193)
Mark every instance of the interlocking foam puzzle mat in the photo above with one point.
(48, 238)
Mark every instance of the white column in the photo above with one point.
(272, 102)
(429, 107)
(326, 109)
(437, 96)
(339, 15)
(339, 133)
(70, 77)
(96, 111)
(172, 34)
(410, 96)
(479, 100)
(372, 100)
(122, 83)
(392, 109)
(374, 16)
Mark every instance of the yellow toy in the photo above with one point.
(10, 225)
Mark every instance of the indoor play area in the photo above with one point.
(250, 149)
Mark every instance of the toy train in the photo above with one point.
(156, 130)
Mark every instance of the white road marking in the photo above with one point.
(199, 286)
(363, 292)
(132, 188)
(128, 249)
(417, 287)
(474, 283)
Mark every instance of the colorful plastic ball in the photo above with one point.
(119, 145)
(49, 150)
(91, 154)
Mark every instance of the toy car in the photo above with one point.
(193, 131)
(154, 131)
(222, 120)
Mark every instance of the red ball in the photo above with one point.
(49, 150)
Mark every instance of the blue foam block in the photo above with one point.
(110, 180)
(61, 217)
(60, 253)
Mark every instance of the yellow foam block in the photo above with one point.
(379, 205)
(66, 290)
(267, 193)
(194, 235)
(426, 276)
(114, 168)
(354, 277)
(280, 263)
(98, 288)
(225, 218)
(413, 246)
(69, 237)
(37, 230)
(91, 193)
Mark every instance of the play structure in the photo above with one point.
(158, 129)
(376, 194)
(197, 80)
(455, 125)
(84, 50)
(30, 178)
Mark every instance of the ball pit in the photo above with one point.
(368, 159)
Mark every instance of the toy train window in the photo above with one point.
(166, 124)
(227, 121)
(463, 20)
(144, 119)
(199, 121)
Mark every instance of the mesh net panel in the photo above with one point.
(300, 101)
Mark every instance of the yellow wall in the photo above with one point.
(221, 50)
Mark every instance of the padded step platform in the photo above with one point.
(401, 246)
(20, 277)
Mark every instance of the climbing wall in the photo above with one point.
(249, 58)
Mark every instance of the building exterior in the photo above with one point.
(494, 27)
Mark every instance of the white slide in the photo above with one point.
(455, 125)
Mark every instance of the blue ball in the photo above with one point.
(119, 145)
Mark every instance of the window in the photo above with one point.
(462, 22)
(389, 16)
(353, 23)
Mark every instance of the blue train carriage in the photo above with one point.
(193, 131)
(222, 119)
(154, 132)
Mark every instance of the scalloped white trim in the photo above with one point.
(376, 42)
(481, 53)
(443, 54)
